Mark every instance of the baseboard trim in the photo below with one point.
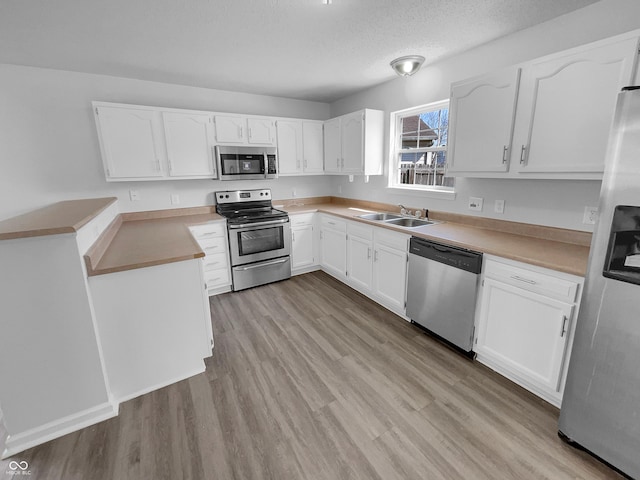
(303, 270)
(146, 390)
(30, 438)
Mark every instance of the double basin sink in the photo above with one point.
(397, 220)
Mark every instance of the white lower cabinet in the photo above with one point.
(390, 269)
(212, 238)
(371, 259)
(303, 243)
(333, 246)
(525, 324)
(360, 256)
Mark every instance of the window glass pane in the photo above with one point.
(424, 130)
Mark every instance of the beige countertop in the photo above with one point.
(143, 239)
(62, 217)
(556, 255)
(145, 242)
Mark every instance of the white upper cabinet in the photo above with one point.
(230, 129)
(353, 143)
(261, 131)
(332, 146)
(299, 147)
(131, 142)
(563, 114)
(189, 147)
(290, 149)
(567, 106)
(481, 128)
(312, 144)
(241, 130)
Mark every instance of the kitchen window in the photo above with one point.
(419, 149)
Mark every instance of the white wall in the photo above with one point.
(49, 147)
(554, 203)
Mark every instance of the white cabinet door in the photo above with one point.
(302, 246)
(333, 244)
(312, 140)
(131, 142)
(261, 131)
(189, 147)
(360, 262)
(353, 143)
(390, 276)
(332, 146)
(481, 127)
(230, 129)
(566, 108)
(523, 332)
(290, 151)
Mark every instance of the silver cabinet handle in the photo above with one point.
(368, 253)
(337, 163)
(523, 150)
(157, 164)
(293, 236)
(375, 255)
(250, 133)
(342, 163)
(305, 163)
(525, 280)
(504, 154)
(565, 320)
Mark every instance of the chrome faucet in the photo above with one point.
(403, 210)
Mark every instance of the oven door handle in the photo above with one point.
(262, 264)
(259, 224)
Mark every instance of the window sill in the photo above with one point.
(423, 192)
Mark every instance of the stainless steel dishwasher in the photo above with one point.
(442, 289)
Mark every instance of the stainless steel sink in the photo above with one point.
(382, 217)
(409, 222)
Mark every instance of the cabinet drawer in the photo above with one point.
(334, 223)
(541, 283)
(213, 245)
(202, 232)
(217, 278)
(301, 219)
(215, 261)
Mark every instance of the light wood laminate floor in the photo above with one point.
(311, 380)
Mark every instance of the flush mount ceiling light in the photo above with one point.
(407, 66)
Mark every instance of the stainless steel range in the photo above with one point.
(259, 237)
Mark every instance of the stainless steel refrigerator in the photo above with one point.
(601, 404)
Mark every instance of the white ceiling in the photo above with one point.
(288, 48)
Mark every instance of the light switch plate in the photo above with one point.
(175, 199)
(475, 203)
(134, 195)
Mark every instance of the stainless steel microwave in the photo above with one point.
(246, 163)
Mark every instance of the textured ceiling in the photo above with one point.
(289, 48)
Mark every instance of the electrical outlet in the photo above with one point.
(294, 194)
(498, 206)
(134, 195)
(590, 215)
(475, 203)
(175, 199)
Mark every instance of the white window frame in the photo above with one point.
(395, 122)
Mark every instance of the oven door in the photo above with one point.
(255, 242)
